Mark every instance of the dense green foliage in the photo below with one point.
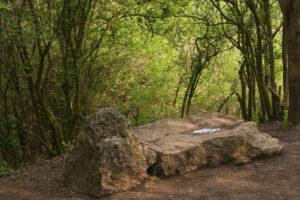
(61, 60)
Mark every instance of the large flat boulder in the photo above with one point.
(112, 157)
(107, 159)
(176, 146)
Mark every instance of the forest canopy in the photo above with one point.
(61, 60)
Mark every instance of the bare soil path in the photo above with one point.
(276, 178)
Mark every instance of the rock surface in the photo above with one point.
(178, 150)
(112, 157)
(107, 159)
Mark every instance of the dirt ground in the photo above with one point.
(274, 178)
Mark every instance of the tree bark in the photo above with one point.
(291, 11)
(285, 67)
(271, 60)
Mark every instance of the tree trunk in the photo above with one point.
(291, 10)
(285, 83)
(242, 97)
(271, 60)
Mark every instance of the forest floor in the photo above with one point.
(275, 178)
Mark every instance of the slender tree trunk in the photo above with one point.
(263, 90)
(192, 92)
(185, 99)
(242, 97)
(285, 66)
(276, 105)
(193, 81)
(177, 90)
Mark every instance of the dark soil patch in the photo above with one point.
(276, 178)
